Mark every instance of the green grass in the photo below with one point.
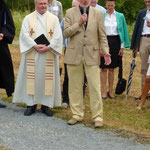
(2, 148)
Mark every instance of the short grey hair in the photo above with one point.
(74, 1)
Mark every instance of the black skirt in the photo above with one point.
(114, 48)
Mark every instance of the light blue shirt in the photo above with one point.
(100, 8)
(65, 40)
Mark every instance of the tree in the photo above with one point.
(128, 7)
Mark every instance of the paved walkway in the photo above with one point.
(39, 132)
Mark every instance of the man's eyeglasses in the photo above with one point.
(147, 1)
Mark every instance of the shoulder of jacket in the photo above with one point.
(141, 11)
(119, 13)
(70, 10)
(97, 11)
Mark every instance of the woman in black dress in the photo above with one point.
(118, 38)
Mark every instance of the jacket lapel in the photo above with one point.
(89, 18)
(142, 16)
(78, 16)
(117, 18)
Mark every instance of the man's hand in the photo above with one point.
(41, 48)
(120, 52)
(135, 51)
(82, 19)
(1, 36)
(101, 53)
(107, 59)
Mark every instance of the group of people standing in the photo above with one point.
(95, 38)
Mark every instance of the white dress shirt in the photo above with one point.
(111, 25)
(148, 71)
(146, 29)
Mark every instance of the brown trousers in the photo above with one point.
(144, 54)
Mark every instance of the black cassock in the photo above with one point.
(6, 68)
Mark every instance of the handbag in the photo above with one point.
(121, 85)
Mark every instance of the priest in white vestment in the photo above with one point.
(38, 80)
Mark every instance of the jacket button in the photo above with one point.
(84, 35)
(84, 45)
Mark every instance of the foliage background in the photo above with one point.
(130, 8)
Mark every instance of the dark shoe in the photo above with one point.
(138, 98)
(111, 97)
(30, 110)
(2, 106)
(104, 98)
(65, 105)
(46, 110)
(148, 97)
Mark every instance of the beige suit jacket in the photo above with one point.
(83, 42)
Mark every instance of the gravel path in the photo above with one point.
(39, 132)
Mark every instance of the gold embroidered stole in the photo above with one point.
(49, 56)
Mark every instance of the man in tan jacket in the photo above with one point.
(84, 25)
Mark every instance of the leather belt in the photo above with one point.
(112, 35)
(146, 35)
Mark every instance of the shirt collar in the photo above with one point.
(148, 11)
(81, 10)
(40, 14)
(114, 13)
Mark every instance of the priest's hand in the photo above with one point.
(148, 23)
(40, 48)
(1, 36)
